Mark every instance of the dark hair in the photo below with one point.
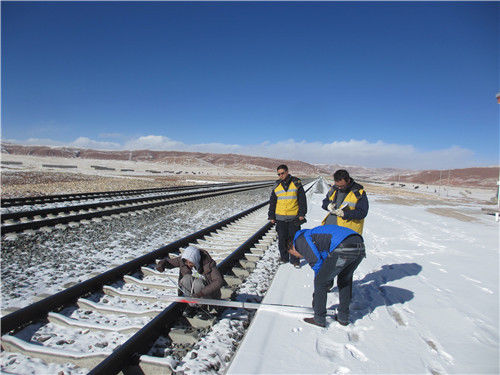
(341, 174)
(282, 166)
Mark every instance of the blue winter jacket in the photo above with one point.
(319, 242)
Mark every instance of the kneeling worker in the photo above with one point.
(331, 251)
(198, 273)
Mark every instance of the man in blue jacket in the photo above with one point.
(330, 250)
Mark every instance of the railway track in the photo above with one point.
(117, 322)
(65, 198)
(120, 311)
(35, 219)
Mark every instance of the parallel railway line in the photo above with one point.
(44, 199)
(72, 214)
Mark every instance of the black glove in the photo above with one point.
(161, 265)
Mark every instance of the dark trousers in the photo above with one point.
(341, 263)
(286, 231)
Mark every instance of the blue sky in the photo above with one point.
(381, 84)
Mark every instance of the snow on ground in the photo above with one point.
(425, 300)
(31, 263)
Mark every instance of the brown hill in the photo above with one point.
(240, 162)
(473, 177)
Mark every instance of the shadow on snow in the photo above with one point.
(370, 292)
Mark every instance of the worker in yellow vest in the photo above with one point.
(346, 203)
(287, 208)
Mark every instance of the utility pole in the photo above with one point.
(440, 172)
(498, 182)
(448, 183)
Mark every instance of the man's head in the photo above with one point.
(282, 172)
(342, 179)
(191, 256)
(297, 242)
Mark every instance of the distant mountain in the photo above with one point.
(480, 176)
(241, 162)
(362, 172)
(467, 177)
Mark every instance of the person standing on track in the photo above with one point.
(287, 208)
(199, 276)
(331, 251)
(346, 203)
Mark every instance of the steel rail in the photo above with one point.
(40, 309)
(126, 356)
(128, 353)
(22, 201)
(97, 205)
(18, 227)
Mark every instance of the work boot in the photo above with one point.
(312, 321)
(340, 322)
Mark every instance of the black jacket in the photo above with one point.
(301, 196)
(361, 209)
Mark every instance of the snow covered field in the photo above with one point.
(425, 300)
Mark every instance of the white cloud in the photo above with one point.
(84, 142)
(353, 152)
(38, 142)
(154, 142)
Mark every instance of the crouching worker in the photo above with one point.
(198, 273)
(331, 251)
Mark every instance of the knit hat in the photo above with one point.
(192, 254)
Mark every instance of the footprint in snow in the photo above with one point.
(297, 329)
(356, 353)
(397, 316)
(329, 349)
(437, 348)
(436, 369)
(353, 336)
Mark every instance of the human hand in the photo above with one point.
(331, 207)
(161, 265)
(339, 212)
(272, 221)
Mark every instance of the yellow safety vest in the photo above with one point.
(287, 203)
(351, 199)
